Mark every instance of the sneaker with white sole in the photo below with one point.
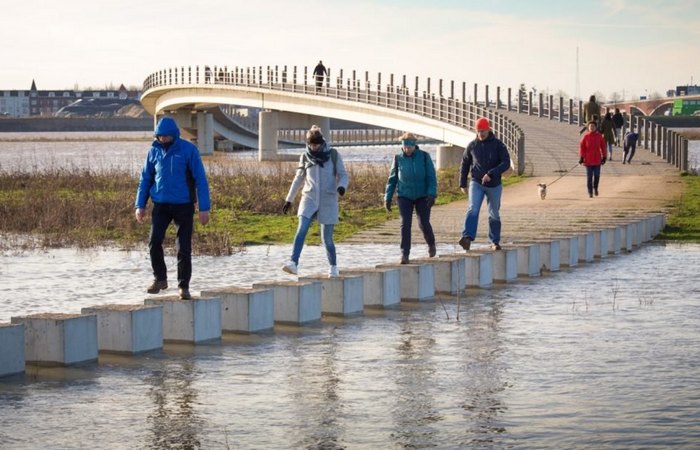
(333, 272)
(290, 267)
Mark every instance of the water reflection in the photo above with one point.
(414, 412)
(174, 422)
(485, 367)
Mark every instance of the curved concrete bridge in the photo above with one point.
(293, 102)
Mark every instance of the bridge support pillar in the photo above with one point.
(449, 156)
(205, 133)
(271, 121)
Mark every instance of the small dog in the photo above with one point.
(543, 190)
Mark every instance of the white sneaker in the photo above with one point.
(290, 267)
(333, 272)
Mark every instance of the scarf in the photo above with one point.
(319, 157)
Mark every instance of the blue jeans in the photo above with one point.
(162, 215)
(477, 192)
(326, 239)
(592, 178)
(406, 206)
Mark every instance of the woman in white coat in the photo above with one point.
(322, 174)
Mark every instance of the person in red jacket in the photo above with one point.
(592, 152)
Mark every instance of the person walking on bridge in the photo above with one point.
(319, 72)
(592, 153)
(173, 177)
(486, 158)
(322, 174)
(412, 177)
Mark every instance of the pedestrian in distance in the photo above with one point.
(486, 158)
(173, 177)
(619, 122)
(412, 176)
(591, 108)
(592, 153)
(319, 72)
(629, 146)
(322, 174)
(607, 128)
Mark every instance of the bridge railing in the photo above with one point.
(654, 137)
(420, 100)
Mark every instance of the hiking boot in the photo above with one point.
(495, 246)
(432, 251)
(157, 286)
(333, 272)
(290, 267)
(185, 294)
(404, 259)
(465, 242)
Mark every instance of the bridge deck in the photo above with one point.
(647, 185)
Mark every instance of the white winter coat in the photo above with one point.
(320, 194)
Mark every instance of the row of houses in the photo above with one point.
(41, 103)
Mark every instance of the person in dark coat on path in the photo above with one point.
(629, 146)
(619, 122)
(486, 158)
(173, 177)
(592, 153)
(607, 129)
(413, 177)
(591, 108)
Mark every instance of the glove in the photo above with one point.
(602, 162)
(341, 190)
(286, 207)
(580, 160)
(387, 205)
(431, 201)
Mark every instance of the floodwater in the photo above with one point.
(604, 355)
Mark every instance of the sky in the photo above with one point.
(626, 48)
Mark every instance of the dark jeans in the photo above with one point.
(592, 178)
(629, 150)
(406, 206)
(182, 215)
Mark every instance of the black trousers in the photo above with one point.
(406, 206)
(183, 216)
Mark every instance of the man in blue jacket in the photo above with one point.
(173, 177)
(486, 158)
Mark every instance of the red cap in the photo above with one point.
(483, 124)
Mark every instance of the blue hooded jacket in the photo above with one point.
(169, 175)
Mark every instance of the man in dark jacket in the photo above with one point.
(486, 158)
(619, 122)
(319, 72)
(629, 146)
(173, 177)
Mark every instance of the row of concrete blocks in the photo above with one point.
(67, 339)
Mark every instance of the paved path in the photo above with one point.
(626, 191)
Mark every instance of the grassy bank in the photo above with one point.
(684, 222)
(80, 208)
